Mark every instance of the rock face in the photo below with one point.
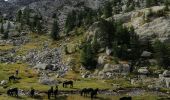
(143, 71)
(111, 70)
(156, 28)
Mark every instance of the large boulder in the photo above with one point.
(108, 51)
(40, 66)
(112, 68)
(143, 71)
(47, 81)
(102, 60)
(166, 73)
(146, 54)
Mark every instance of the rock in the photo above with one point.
(167, 81)
(71, 48)
(40, 66)
(47, 81)
(86, 75)
(113, 68)
(146, 54)
(102, 60)
(108, 51)
(4, 82)
(166, 73)
(126, 68)
(71, 61)
(143, 70)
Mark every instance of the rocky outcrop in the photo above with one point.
(112, 70)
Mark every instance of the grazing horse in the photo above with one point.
(12, 78)
(68, 83)
(86, 91)
(56, 92)
(126, 98)
(32, 92)
(94, 93)
(50, 92)
(13, 92)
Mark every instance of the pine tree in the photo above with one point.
(55, 30)
(87, 57)
(39, 27)
(70, 22)
(162, 53)
(2, 28)
(19, 16)
(166, 5)
(108, 10)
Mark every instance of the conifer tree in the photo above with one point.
(55, 30)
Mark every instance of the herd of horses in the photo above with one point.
(86, 92)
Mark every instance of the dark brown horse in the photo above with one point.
(94, 93)
(50, 92)
(126, 98)
(12, 78)
(86, 91)
(66, 83)
(12, 92)
(32, 92)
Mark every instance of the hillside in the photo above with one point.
(119, 48)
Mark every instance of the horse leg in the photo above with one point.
(48, 95)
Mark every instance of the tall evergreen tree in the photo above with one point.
(108, 10)
(88, 57)
(162, 53)
(19, 16)
(2, 27)
(70, 22)
(55, 30)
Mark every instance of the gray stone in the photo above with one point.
(143, 70)
(166, 73)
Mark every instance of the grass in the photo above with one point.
(78, 97)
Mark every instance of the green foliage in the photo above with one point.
(130, 7)
(162, 53)
(108, 10)
(55, 31)
(2, 28)
(150, 3)
(19, 16)
(70, 22)
(6, 35)
(88, 57)
(79, 18)
(166, 5)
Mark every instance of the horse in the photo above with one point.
(50, 92)
(32, 92)
(94, 93)
(12, 78)
(68, 83)
(86, 91)
(56, 92)
(126, 98)
(13, 92)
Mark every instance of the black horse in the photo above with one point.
(94, 93)
(66, 83)
(56, 92)
(12, 92)
(32, 92)
(126, 98)
(86, 91)
(50, 92)
(12, 78)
